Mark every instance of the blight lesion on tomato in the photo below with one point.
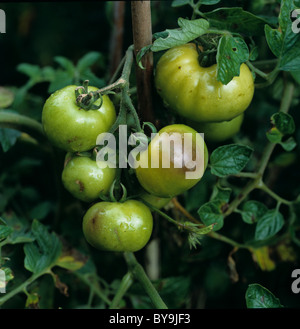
(167, 171)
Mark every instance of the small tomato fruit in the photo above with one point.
(83, 178)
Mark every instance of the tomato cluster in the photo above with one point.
(108, 224)
(172, 163)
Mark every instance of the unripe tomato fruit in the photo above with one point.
(71, 128)
(218, 131)
(116, 226)
(194, 92)
(155, 201)
(83, 178)
(185, 165)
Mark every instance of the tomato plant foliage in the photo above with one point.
(230, 238)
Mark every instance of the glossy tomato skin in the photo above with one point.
(155, 201)
(218, 131)
(83, 178)
(115, 226)
(167, 182)
(71, 128)
(193, 91)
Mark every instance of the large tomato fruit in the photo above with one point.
(194, 92)
(175, 160)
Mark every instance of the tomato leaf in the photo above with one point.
(232, 52)
(41, 254)
(258, 296)
(296, 76)
(283, 125)
(289, 144)
(221, 193)
(180, 3)
(65, 63)
(284, 41)
(41, 210)
(188, 31)
(229, 159)
(8, 138)
(88, 60)
(269, 224)
(5, 231)
(30, 70)
(252, 211)
(209, 2)
(237, 20)
(71, 260)
(211, 214)
(274, 135)
(20, 233)
(61, 79)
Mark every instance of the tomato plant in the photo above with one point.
(100, 206)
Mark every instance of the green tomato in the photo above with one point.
(194, 92)
(154, 200)
(218, 131)
(116, 226)
(83, 178)
(71, 128)
(168, 167)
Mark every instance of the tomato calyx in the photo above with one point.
(111, 197)
(85, 99)
(207, 47)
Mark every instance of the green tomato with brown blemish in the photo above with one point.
(118, 226)
(84, 179)
(174, 161)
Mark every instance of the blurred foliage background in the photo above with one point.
(30, 186)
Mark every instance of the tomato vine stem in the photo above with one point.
(21, 287)
(257, 182)
(125, 284)
(258, 71)
(22, 123)
(138, 272)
